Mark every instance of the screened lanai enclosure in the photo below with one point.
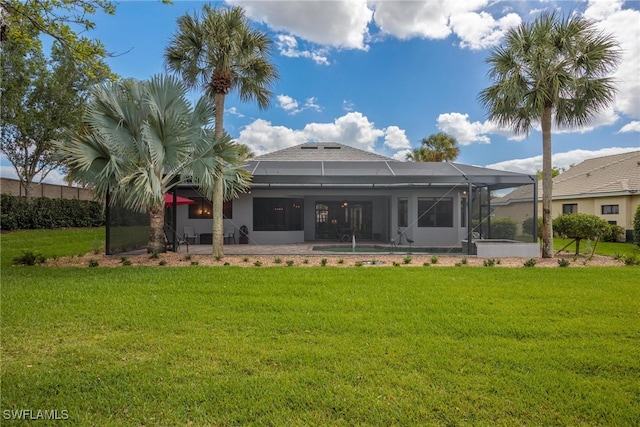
(331, 193)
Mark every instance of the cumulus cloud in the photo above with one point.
(234, 112)
(560, 160)
(633, 126)
(395, 138)
(480, 30)
(464, 131)
(623, 25)
(353, 129)
(339, 23)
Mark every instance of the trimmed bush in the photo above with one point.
(504, 228)
(580, 226)
(16, 213)
(614, 234)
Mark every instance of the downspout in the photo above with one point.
(535, 210)
(107, 237)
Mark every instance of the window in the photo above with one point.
(463, 212)
(434, 212)
(568, 208)
(610, 209)
(278, 214)
(203, 209)
(403, 212)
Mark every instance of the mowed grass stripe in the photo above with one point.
(323, 346)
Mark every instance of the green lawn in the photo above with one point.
(322, 346)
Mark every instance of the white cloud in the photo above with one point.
(465, 132)
(292, 107)
(560, 160)
(480, 30)
(288, 104)
(8, 171)
(633, 126)
(288, 46)
(623, 25)
(234, 112)
(401, 155)
(352, 129)
(395, 138)
(339, 24)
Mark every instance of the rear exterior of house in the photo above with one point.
(322, 192)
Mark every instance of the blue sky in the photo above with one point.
(382, 75)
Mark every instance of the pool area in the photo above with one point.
(386, 249)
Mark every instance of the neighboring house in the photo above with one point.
(331, 192)
(608, 187)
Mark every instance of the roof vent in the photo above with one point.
(332, 147)
(308, 147)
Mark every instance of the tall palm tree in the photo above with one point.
(219, 52)
(140, 139)
(438, 147)
(550, 71)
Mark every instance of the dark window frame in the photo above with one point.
(403, 212)
(434, 212)
(278, 214)
(610, 209)
(569, 208)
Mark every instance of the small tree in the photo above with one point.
(580, 226)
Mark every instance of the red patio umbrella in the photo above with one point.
(168, 200)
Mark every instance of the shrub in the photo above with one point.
(503, 228)
(614, 234)
(489, 262)
(426, 264)
(93, 263)
(340, 261)
(434, 259)
(162, 262)
(580, 226)
(563, 262)
(289, 262)
(29, 258)
(636, 225)
(631, 260)
(464, 261)
(277, 260)
(257, 263)
(531, 262)
(358, 264)
(527, 226)
(154, 255)
(323, 262)
(16, 212)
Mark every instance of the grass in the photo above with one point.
(50, 243)
(603, 248)
(320, 345)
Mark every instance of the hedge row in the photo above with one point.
(16, 212)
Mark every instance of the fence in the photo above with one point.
(51, 191)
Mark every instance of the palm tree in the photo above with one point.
(552, 70)
(438, 147)
(140, 139)
(220, 53)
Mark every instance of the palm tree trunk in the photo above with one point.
(218, 189)
(156, 230)
(547, 185)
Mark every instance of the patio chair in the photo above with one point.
(190, 234)
(179, 241)
(344, 234)
(230, 236)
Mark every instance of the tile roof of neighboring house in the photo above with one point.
(610, 174)
(322, 151)
(619, 173)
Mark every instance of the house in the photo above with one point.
(330, 192)
(608, 187)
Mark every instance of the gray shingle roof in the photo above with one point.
(321, 151)
(336, 164)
